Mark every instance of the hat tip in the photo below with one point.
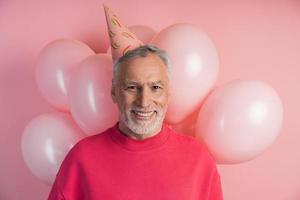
(105, 6)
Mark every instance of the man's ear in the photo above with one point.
(113, 92)
(169, 93)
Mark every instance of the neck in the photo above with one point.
(129, 133)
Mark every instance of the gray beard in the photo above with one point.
(143, 128)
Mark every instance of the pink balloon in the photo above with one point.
(46, 141)
(54, 68)
(144, 33)
(195, 68)
(89, 94)
(187, 126)
(239, 120)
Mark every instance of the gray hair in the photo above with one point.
(142, 51)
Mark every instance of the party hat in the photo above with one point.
(121, 38)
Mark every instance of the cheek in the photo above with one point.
(162, 100)
(126, 101)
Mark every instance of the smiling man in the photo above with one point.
(141, 90)
(140, 158)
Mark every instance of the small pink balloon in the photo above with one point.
(195, 68)
(143, 33)
(89, 94)
(46, 140)
(240, 120)
(55, 64)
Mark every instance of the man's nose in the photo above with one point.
(144, 98)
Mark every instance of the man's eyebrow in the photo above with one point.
(137, 83)
(131, 82)
(157, 83)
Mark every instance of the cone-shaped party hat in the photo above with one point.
(121, 38)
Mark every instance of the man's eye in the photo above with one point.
(132, 88)
(156, 87)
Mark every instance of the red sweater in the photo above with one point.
(112, 166)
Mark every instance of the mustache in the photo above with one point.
(149, 109)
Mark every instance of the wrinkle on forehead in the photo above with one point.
(129, 82)
(143, 70)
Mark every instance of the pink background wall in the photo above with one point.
(255, 39)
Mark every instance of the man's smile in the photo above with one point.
(143, 115)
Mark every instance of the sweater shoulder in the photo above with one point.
(187, 140)
(89, 143)
(194, 146)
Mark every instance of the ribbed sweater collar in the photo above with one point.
(140, 145)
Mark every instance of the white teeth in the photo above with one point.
(143, 114)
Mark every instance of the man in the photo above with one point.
(139, 158)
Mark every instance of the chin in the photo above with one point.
(145, 128)
(141, 126)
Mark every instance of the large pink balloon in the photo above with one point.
(195, 67)
(54, 68)
(46, 141)
(89, 94)
(144, 33)
(187, 126)
(239, 120)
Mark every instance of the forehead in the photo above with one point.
(143, 69)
